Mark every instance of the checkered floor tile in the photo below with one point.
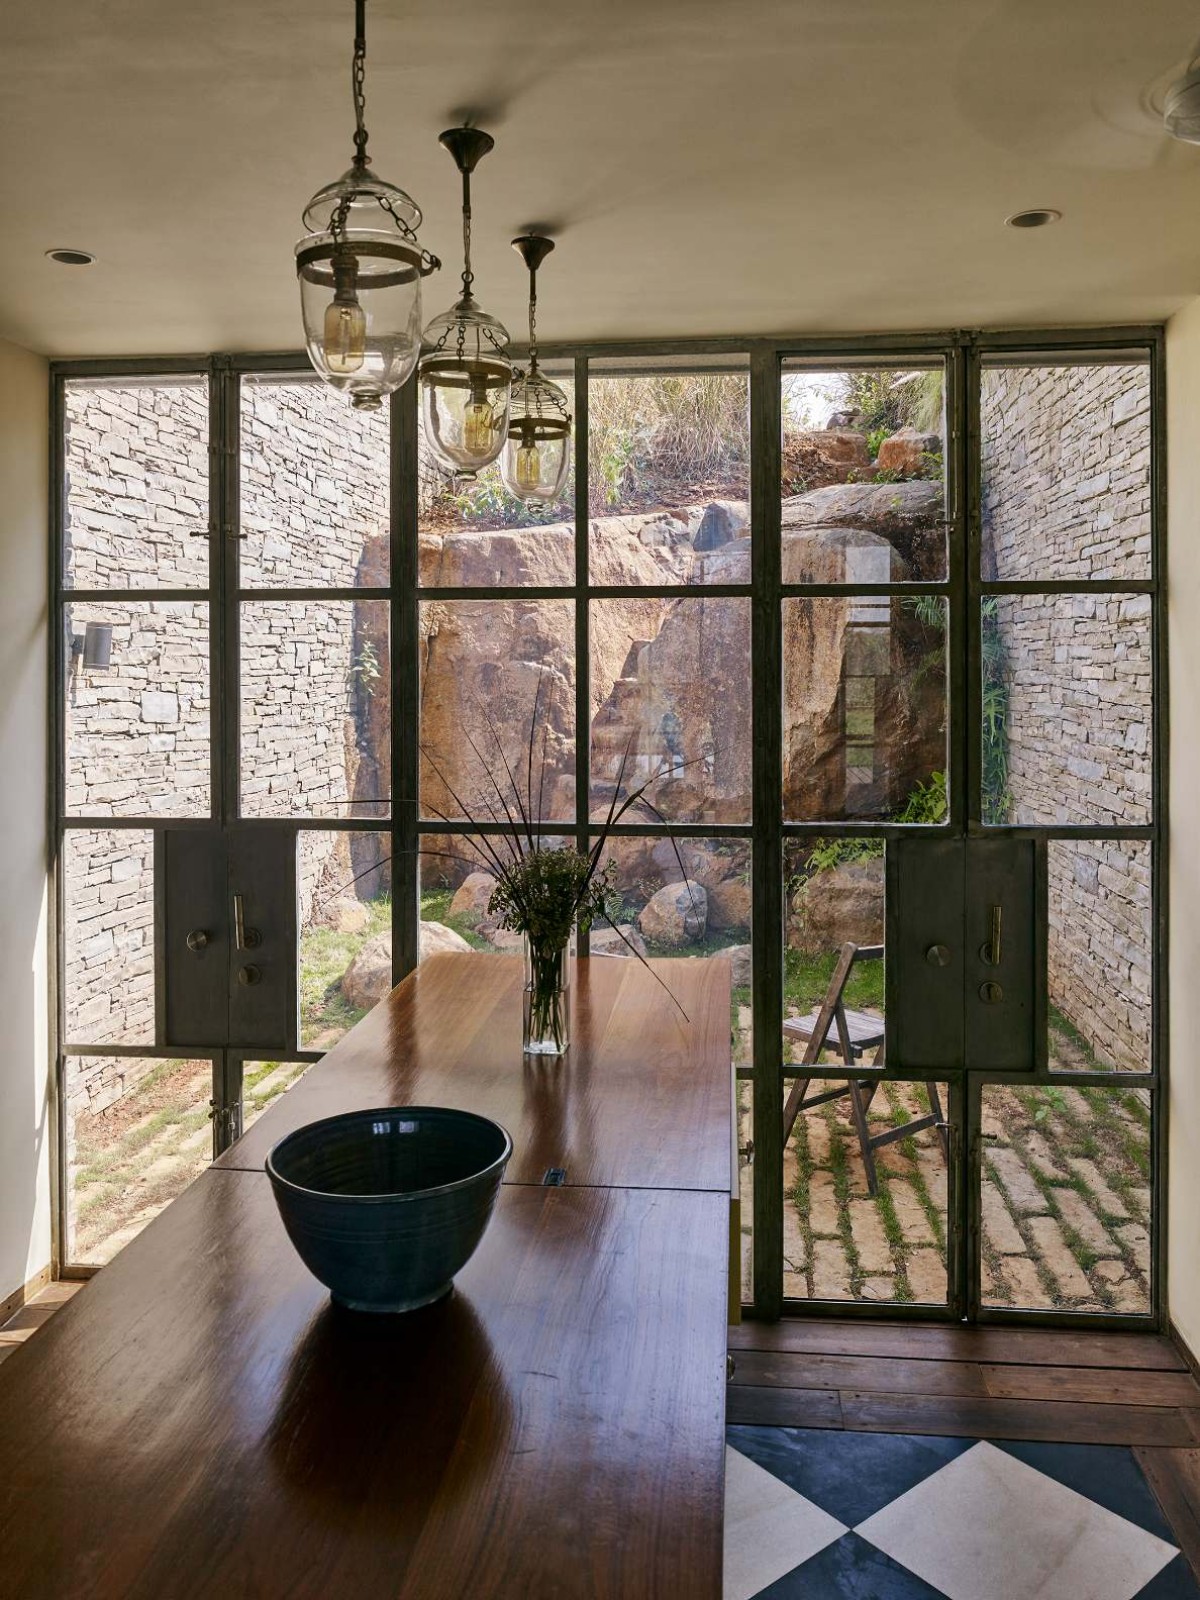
(873, 1516)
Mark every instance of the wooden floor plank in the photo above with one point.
(1061, 1347)
(988, 1418)
(1174, 1475)
(792, 1408)
(1096, 1385)
(786, 1370)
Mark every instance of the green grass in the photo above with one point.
(806, 978)
(325, 953)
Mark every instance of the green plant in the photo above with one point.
(927, 802)
(995, 690)
(654, 436)
(365, 667)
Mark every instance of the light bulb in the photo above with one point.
(477, 428)
(529, 467)
(345, 336)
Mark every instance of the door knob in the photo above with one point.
(198, 938)
(249, 974)
(938, 955)
(991, 993)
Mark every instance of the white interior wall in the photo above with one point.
(1183, 573)
(24, 1103)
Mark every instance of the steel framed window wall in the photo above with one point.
(767, 833)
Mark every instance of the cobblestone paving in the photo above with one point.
(1066, 1202)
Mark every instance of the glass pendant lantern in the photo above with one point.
(537, 453)
(466, 375)
(360, 269)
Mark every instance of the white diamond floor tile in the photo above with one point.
(769, 1528)
(988, 1527)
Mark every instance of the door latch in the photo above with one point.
(990, 952)
(244, 938)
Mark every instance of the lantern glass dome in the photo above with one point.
(360, 269)
(466, 379)
(537, 453)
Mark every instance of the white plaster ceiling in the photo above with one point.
(709, 167)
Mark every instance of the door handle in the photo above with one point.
(198, 938)
(990, 952)
(244, 938)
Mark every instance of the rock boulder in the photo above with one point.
(676, 915)
(843, 902)
(472, 896)
(608, 942)
(729, 904)
(368, 978)
(908, 452)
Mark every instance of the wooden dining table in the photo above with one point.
(201, 1420)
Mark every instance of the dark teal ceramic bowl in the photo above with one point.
(384, 1207)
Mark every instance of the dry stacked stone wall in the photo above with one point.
(1066, 480)
(315, 675)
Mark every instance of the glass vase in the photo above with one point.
(546, 1016)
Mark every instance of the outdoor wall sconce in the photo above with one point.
(92, 647)
(537, 453)
(466, 375)
(360, 269)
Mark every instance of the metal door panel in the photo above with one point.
(1000, 991)
(192, 977)
(262, 963)
(924, 963)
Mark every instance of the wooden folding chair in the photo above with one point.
(857, 1032)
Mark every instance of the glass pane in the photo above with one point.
(473, 534)
(314, 487)
(864, 709)
(669, 476)
(136, 491)
(316, 713)
(841, 1241)
(670, 686)
(345, 887)
(138, 1132)
(833, 895)
(1100, 962)
(498, 676)
(108, 907)
(686, 897)
(1066, 471)
(262, 1084)
(863, 470)
(1066, 1198)
(1066, 709)
(458, 876)
(136, 721)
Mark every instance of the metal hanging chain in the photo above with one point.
(468, 277)
(533, 359)
(358, 72)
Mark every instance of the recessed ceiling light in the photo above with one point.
(72, 258)
(1032, 219)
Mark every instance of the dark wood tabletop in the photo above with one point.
(642, 1099)
(201, 1421)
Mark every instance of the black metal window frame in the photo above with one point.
(766, 833)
